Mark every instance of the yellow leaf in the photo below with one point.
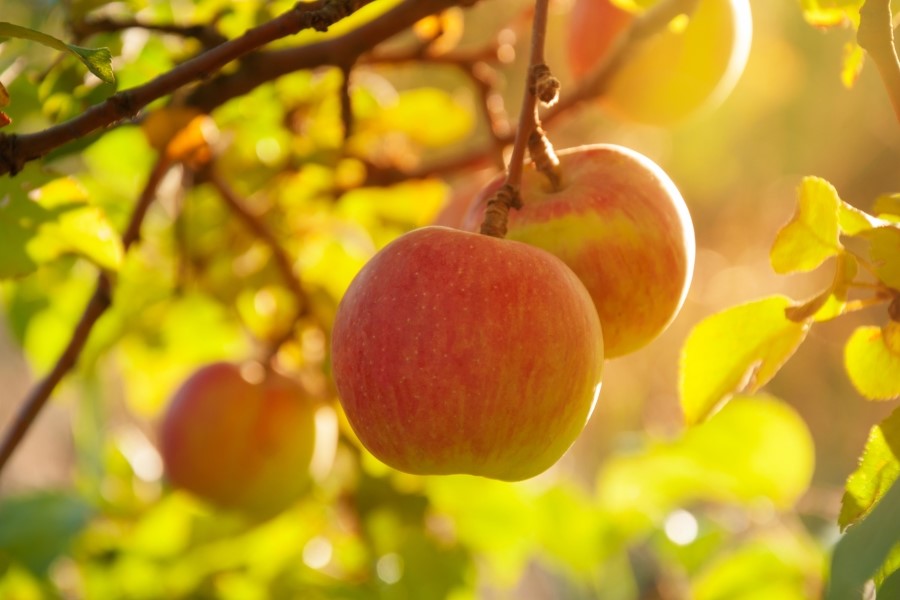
(812, 235)
(872, 359)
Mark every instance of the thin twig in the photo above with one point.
(876, 36)
(256, 68)
(282, 259)
(497, 210)
(16, 150)
(95, 308)
(206, 34)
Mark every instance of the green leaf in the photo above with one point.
(755, 447)
(54, 220)
(872, 360)
(890, 587)
(20, 219)
(864, 548)
(776, 565)
(97, 60)
(38, 528)
(738, 349)
(878, 468)
(812, 235)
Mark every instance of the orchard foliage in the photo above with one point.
(192, 183)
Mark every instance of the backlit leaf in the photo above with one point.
(429, 116)
(755, 447)
(775, 566)
(864, 547)
(832, 302)
(884, 250)
(97, 60)
(888, 205)
(830, 13)
(879, 467)
(812, 234)
(738, 349)
(854, 57)
(854, 221)
(872, 359)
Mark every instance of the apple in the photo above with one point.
(456, 352)
(692, 64)
(239, 443)
(620, 224)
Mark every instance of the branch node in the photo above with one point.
(496, 213)
(544, 157)
(544, 85)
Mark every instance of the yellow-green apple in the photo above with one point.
(456, 352)
(240, 443)
(621, 225)
(693, 63)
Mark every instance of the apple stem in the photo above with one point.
(543, 86)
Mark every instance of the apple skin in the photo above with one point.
(238, 444)
(455, 352)
(676, 73)
(621, 225)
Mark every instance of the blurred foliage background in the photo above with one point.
(744, 506)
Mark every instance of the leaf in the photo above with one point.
(854, 58)
(832, 302)
(755, 447)
(890, 587)
(19, 220)
(97, 60)
(864, 547)
(884, 250)
(812, 234)
(878, 468)
(831, 13)
(872, 360)
(854, 221)
(38, 528)
(888, 205)
(738, 349)
(428, 116)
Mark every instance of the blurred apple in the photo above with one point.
(621, 225)
(240, 443)
(694, 63)
(455, 352)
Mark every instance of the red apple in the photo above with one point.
(455, 352)
(239, 444)
(621, 225)
(691, 64)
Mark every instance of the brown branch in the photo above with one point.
(876, 36)
(507, 197)
(206, 34)
(95, 308)
(259, 68)
(282, 259)
(591, 87)
(16, 150)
